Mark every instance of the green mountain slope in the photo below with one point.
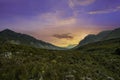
(18, 38)
(113, 34)
(95, 61)
(104, 35)
(88, 39)
(107, 45)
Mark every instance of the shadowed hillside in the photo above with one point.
(97, 61)
(18, 38)
(104, 35)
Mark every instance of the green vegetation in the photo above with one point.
(97, 61)
(23, 39)
(104, 35)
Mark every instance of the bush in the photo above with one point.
(117, 51)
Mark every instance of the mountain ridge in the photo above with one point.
(103, 35)
(13, 37)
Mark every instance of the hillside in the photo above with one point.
(104, 35)
(96, 61)
(107, 45)
(113, 34)
(18, 38)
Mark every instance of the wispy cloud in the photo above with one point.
(73, 3)
(77, 3)
(63, 36)
(55, 19)
(105, 11)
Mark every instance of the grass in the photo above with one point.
(98, 61)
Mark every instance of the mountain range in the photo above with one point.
(104, 35)
(13, 37)
(10, 36)
(97, 59)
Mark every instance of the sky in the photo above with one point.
(60, 22)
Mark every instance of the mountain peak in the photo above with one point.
(7, 30)
(24, 39)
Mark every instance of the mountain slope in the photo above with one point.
(102, 46)
(95, 61)
(88, 39)
(104, 35)
(113, 34)
(18, 38)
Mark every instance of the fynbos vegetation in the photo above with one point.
(97, 61)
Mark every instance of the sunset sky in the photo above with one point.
(60, 22)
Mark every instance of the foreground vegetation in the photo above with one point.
(97, 61)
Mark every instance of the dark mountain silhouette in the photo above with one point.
(113, 34)
(10, 36)
(104, 35)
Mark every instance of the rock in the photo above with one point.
(69, 76)
(8, 55)
(110, 78)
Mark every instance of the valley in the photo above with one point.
(96, 61)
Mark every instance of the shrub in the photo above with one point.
(117, 51)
